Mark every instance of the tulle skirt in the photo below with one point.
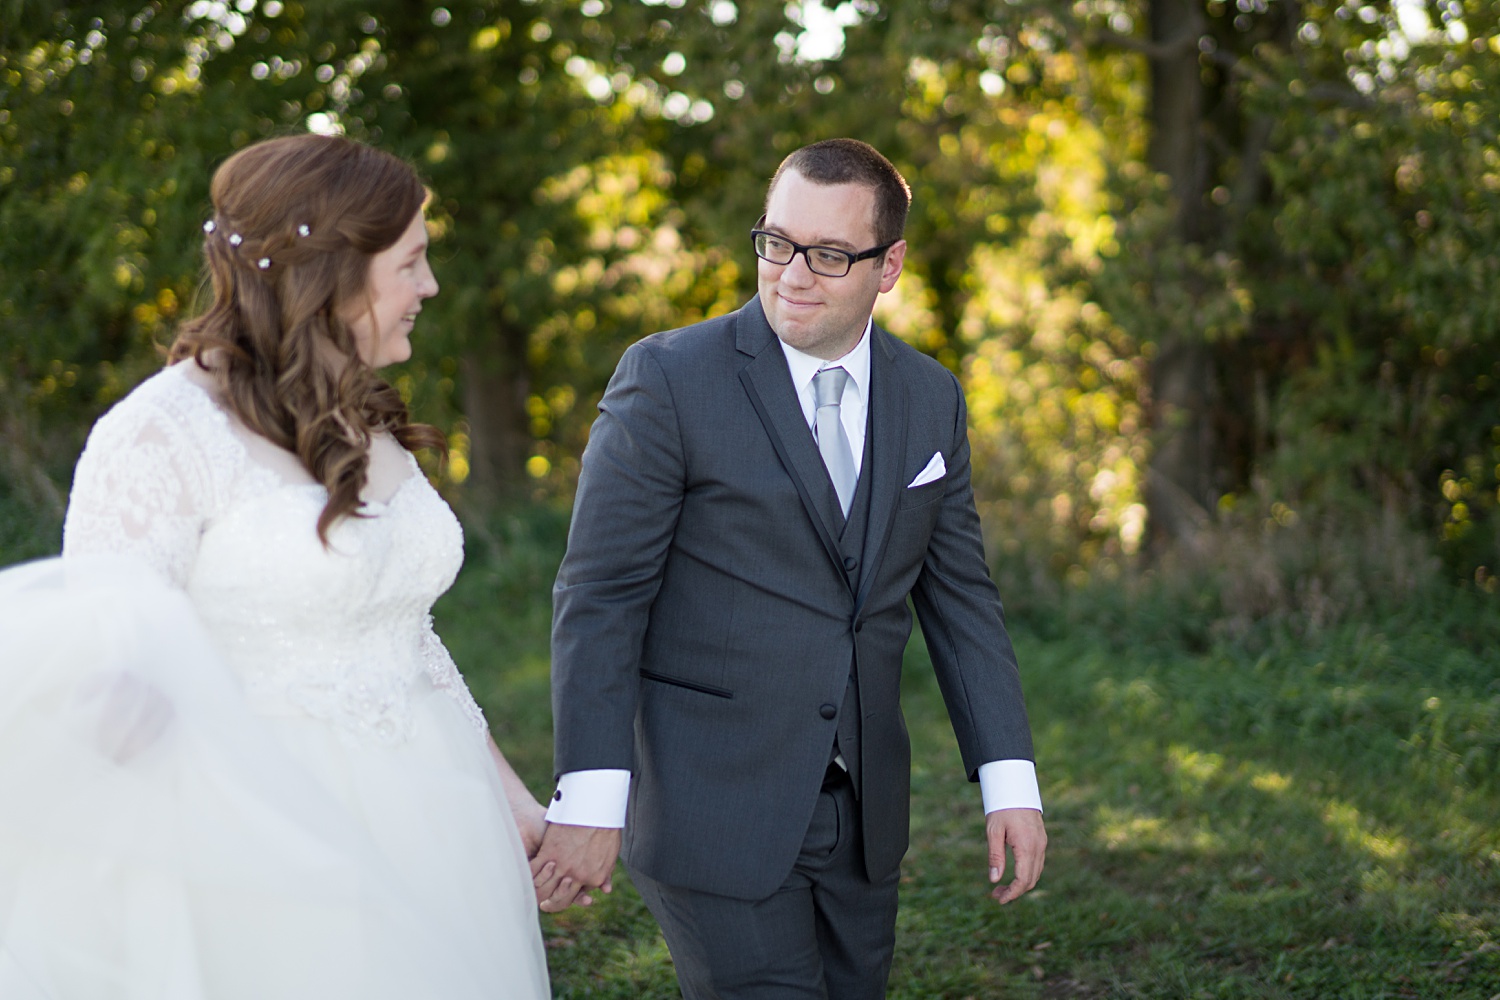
(159, 840)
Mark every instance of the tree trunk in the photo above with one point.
(496, 383)
(1179, 479)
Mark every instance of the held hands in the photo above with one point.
(571, 861)
(1024, 832)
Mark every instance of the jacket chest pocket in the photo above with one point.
(920, 496)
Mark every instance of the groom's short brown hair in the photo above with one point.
(849, 161)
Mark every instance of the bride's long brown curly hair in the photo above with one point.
(296, 222)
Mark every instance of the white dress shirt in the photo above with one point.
(853, 404)
(597, 798)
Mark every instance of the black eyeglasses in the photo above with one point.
(830, 262)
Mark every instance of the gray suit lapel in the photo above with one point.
(888, 424)
(769, 386)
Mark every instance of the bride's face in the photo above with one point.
(400, 281)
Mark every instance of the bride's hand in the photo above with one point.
(532, 822)
(530, 816)
(131, 714)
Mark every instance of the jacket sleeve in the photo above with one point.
(630, 492)
(964, 625)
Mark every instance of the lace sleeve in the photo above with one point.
(141, 488)
(444, 675)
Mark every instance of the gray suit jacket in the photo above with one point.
(705, 624)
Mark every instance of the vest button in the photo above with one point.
(849, 563)
(828, 711)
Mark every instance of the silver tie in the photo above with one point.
(828, 392)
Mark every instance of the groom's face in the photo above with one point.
(816, 314)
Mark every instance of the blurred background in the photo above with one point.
(1220, 277)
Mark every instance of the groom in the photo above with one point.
(760, 496)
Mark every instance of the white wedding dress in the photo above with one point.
(234, 764)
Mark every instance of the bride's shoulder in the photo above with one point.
(170, 407)
(174, 395)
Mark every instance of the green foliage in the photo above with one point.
(595, 167)
(1389, 220)
(553, 227)
(26, 532)
(93, 168)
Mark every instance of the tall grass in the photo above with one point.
(1239, 806)
(1270, 817)
(1260, 809)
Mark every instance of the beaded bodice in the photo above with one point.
(343, 634)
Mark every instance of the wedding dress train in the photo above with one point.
(236, 764)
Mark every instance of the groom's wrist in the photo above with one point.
(1009, 784)
(590, 798)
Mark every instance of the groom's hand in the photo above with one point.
(1026, 835)
(572, 860)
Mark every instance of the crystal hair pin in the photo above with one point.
(263, 263)
(235, 239)
(304, 230)
(209, 226)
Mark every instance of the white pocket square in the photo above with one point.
(935, 470)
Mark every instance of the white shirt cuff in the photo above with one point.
(590, 798)
(1009, 784)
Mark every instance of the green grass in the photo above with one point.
(1265, 816)
(1270, 813)
(1297, 823)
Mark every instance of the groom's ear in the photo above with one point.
(891, 264)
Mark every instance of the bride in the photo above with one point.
(235, 759)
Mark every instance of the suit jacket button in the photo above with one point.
(859, 623)
(850, 563)
(828, 711)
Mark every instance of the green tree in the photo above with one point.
(106, 139)
(1192, 257)
(553, 216)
